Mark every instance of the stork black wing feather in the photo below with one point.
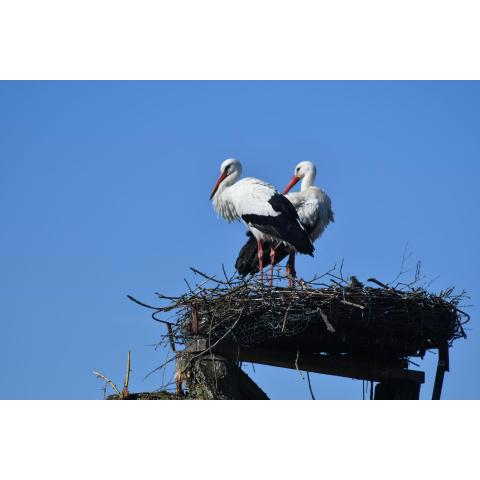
(285, 226)
(247, 260)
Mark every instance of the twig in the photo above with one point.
(228, 280)
(405, 258)
(285, 318)
(296, 364)
(341, 269)
(143, 304)
(127, 378)
(346, 302)
(188, 285)
(107, 380)
(337, 283)
(204, 275)
(154, 316)
(164, 364)
(329, 326)
(171, 337)
(310, 386)
(380, 284)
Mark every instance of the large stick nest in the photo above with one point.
(335, 317)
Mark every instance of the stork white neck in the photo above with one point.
(307, 172)
(309, 179)
(229, 180)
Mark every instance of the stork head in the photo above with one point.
(230, 171)
(304, 170)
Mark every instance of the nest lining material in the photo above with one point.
(332, 319)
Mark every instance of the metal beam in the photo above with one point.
(327, 365)
(442, 367)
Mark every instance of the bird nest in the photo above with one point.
(325, 315)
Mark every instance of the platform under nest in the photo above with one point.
(326, 315)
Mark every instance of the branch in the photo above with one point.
(127, 378)
(107, 380)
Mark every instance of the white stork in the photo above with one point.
(269, 216)
(314, 210)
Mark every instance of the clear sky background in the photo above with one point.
(104, 192)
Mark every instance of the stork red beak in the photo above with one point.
(292, 183)
(223, 176)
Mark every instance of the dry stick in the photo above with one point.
(318, 277)
(178, 382)
(213, 279)
(329, 326)
(346, 302)
(142, 304)
(171, 337)
(285, 318)
(465, 314)
(103, 377)
(188, 285)
(336, 283)
(160, 320)
(179, 301)
(164, 364)
(200, 285)
(405, 258)
(310, 386)
(157, 309)
(225, 275)
(296, 364)
(341, 269)
(164, 371)
(374, 280)
(166, 297)
(127, 378)
(344, 282)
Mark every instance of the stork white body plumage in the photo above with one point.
(314, 210)
(248, 196)
(267, 214)
(313, 205)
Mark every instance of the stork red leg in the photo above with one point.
(291, 273)
(272, 262)
(260, 260)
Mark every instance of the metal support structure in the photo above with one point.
(442, 367)
(341, 366)
(397, 390)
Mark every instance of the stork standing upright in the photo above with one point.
(314, 210)
(268, 215)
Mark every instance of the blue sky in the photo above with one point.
(104, 192)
